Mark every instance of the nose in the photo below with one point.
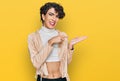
(54, 18)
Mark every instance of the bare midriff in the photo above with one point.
(53, 70)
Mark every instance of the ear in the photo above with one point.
(43, 17)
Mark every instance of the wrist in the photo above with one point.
(71, 47)
(50, 42)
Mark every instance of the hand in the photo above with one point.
(76, 40)
(57, 39)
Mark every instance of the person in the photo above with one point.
(50, 51)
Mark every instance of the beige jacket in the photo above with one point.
(39, 54)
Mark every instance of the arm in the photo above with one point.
(71, 46)
(38, 57)
(70, 53)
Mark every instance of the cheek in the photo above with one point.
(46, 20)
(57, 19)
(47, 17)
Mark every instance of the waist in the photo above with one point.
(50, 79)
(52, 76)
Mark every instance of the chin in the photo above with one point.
(51, 27)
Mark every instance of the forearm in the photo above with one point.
(38, 56)
(70, 52)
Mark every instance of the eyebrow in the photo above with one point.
(51, 13)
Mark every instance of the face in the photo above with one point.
(50, 19)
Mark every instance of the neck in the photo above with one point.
(47, 29)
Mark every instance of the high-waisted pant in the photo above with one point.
(47, 79)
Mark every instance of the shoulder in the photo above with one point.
(33, 35)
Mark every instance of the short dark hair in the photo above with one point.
(58, 8)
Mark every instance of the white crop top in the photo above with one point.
(47, 34)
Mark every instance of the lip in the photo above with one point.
(52, 23)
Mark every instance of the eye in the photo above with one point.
(57, 16)
(51, 14)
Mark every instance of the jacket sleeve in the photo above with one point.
(38, 57)
(69, 51)
(69, 55)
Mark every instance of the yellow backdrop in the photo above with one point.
(94, 59)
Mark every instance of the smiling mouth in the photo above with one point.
(52, 23)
